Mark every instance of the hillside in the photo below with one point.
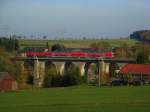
(143, 35)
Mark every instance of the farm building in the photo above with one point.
(7, 82)
(137, 71)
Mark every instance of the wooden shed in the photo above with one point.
(7, 82)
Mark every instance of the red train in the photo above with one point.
(69, 54)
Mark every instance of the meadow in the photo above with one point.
(78, 99)
(76, 43)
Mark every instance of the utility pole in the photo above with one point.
(99, 73)
(100, 70)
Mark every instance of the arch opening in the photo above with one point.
(91, 72)
(50, 65)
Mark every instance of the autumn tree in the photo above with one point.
(101, 45)
(11, 67)
(120, 53)
(142, 53)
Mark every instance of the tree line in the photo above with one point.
(9, 44)
(143, 35)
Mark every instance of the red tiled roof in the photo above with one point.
(136, 69)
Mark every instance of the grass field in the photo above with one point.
(75, 43)
(78, 99)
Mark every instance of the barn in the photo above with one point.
(137, 71)
(7, 82)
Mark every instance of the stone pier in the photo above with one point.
(103, 75)
(39, 72)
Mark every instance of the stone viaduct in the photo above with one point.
(63, 64)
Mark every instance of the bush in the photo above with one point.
(58, 48)
(56, 80)
(49, 77)
(72, 77)
(47, 81)
(52, 81)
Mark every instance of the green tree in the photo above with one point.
(142, 53)
(142, 57)
(10, 44)
(58, 48)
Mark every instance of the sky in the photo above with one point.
(74, 18)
